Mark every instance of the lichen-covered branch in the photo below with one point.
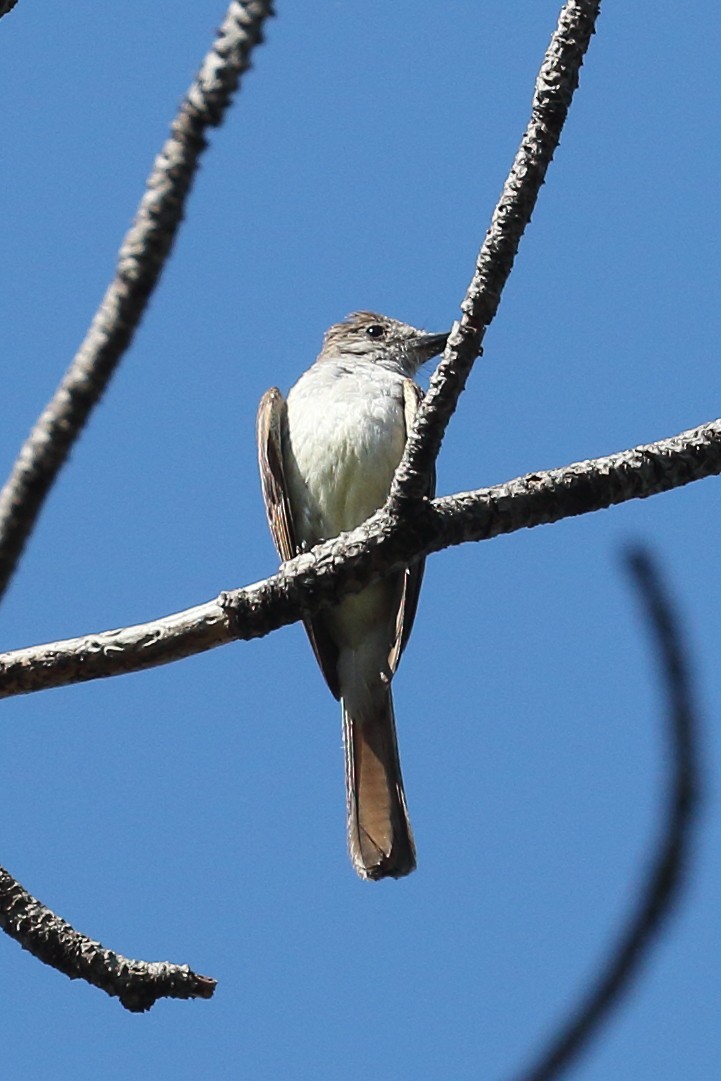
(140, 262)
(138, 984)
(668, 863)
(384, 542)
(555, 85)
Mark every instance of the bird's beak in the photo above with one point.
(430, 345)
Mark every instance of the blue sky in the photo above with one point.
(195, 813)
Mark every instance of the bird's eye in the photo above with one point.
(375, 330)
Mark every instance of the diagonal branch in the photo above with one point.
(316, 578)
(141, 259)
(555, 85)
(138, 984)
(668, 865)
(6, 6)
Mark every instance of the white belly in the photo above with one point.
(346, 435)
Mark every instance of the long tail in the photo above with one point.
(379, 833)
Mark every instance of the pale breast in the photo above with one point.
(346, 434)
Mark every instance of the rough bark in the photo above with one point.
(141, 259)
(384, 543)
(555, 85)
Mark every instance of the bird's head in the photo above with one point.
(381, 340)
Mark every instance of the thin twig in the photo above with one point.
(138, 984)
(669, 864)
(383, 543)
(555, 85)
(140, 262)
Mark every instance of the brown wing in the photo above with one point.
(270, 431)
(271, 414)
(412, 577)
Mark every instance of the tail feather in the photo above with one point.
(379, 832)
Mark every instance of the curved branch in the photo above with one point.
(344, 565)
(138, 984)
(141, 259)
(668, 865)
(555, 85)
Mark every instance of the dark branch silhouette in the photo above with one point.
(667, 868)
(555, 85)
(6, 6)
(138, 984)
(382, 544)
(141, 259)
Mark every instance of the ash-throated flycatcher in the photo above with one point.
(327, 460)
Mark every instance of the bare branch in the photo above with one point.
(138, 984)
(140, 263)
(6, 6)
(668, 865)
(555, 85)
(383, 543)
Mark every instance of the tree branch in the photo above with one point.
(6, 6)
(141, 259)
(138, 984)
(668, 865)
(344, 565)
(386, 541)
(555, 85)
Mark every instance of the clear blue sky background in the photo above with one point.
(195, 813)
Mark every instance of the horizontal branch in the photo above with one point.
(315, 579)
(138, 984)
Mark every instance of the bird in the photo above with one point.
(327, 458)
